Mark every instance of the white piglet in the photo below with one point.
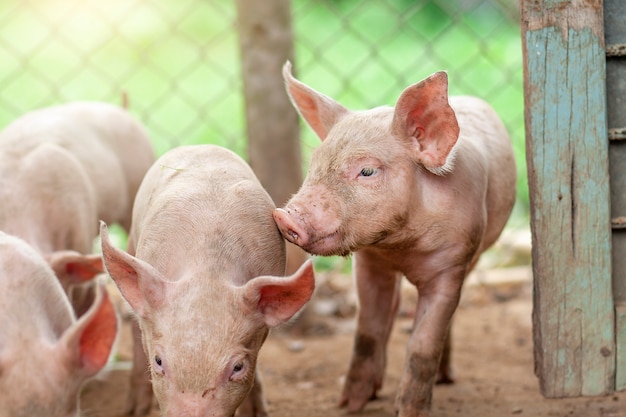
(46, 354)
(204, 276)
(62, 169)
(418, 190)
(113, 150)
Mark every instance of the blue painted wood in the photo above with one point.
(567, 157)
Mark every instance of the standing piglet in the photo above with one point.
(61, 170)
(203, 276)
(419, 190)
(45, 353)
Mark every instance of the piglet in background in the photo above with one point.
(418, 190)
(62, 169)
(46, 354)
(204, 276)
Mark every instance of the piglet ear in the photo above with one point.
(320, 112)
(72, 268)
(89, 341)
(423, 115)
(279, 298)
(140, 284)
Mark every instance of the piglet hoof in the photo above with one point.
(445, 376)
(354, 400)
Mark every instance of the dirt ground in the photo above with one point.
(303, 366)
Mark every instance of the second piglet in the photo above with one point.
(46, 353)
(419, 190)
(62, 168)
(204, 275)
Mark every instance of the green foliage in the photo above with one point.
(365, 53)
(339, 264)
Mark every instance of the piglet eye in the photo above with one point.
(368, 172)
(157, 365)
(238, 372)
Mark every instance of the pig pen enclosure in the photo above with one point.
(209, 72)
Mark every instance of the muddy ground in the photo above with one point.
(303, 365)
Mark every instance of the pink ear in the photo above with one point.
(424, 115)
(320, 112)
(74, 268)
(91, 338)
(279, 298)
(138, 281)
(86, 268)
(98, 336)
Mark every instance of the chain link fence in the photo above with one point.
(178, 62)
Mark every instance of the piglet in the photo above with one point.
(112, 149)
(420, 190)
(203, 275)
(62, 169)
(46, 354)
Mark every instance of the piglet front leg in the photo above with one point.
(446, 375)
(437, 302)
(379, 293)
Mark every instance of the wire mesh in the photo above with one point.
(178, 61)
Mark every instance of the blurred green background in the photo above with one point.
(178, 61)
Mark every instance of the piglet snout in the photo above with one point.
(289, 228)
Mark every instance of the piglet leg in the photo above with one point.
(445, 375)
(379, 292)
(437, 302)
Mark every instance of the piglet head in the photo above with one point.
(45, 377)
(363, 184)
(202, 333)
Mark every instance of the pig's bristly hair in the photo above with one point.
(447, 167)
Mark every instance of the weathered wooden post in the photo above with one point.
(568, 175)
(266, 42)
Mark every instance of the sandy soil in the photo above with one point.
(303, 366)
